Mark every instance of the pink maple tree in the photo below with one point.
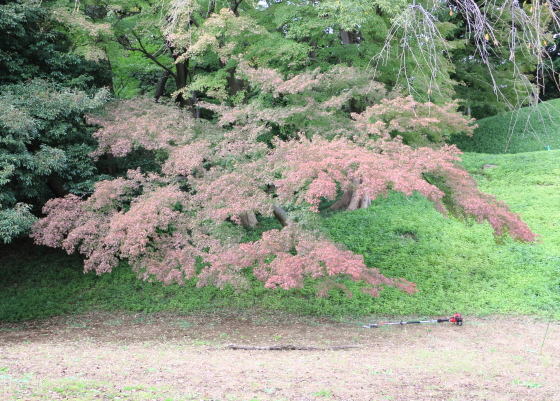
(176, 225)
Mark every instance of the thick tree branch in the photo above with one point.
(124, 14)
(355, 199)
(128, 46)
(211, 7)
(344, 200)
(55, 184)
(248, 220)
(161, 85)
(234, 6)
(192, 21)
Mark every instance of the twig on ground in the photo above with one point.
(285, 347)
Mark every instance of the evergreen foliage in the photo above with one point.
(36, 46)
(44, 93)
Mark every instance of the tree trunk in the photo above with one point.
(349, 37)
(248, 220)
(109, 82)
(346, 37)
(55, 184)
(355, 201)
(344, 201)
(235, 85)
(111, 166)
(365, 202)
(281, 215)
(234, 7)
(351, 200)
(160, 90)
(353, 106)
(196, 109)
(313, 52)
(181, 82)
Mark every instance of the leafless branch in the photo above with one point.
(289, 347)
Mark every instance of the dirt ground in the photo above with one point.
(168, 357)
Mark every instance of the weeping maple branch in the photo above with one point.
(281, 215)
(167, 229)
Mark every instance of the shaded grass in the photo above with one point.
(457, 265)
(528, 129)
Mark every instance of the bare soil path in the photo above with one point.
(169, 357)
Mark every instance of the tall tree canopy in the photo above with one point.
(492, 55)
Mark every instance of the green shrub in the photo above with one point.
(528, 129)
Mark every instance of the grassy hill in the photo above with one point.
(529, 129)
(457, 265)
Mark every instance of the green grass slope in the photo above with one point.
(457, 265)
(529, 129)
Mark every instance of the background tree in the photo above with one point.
(44, 93)
(489, 54)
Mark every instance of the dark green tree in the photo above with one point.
(45, 91)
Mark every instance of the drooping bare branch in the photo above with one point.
(502, 31)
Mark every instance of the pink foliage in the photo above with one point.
(187, 159)
(314, 169)
(71, 226)
(222, 195)
(140, 123)
(283, 258)
(468, 200)
(420, 121)
(269, 80)
(104, 232)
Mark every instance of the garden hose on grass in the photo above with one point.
(457, 319)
